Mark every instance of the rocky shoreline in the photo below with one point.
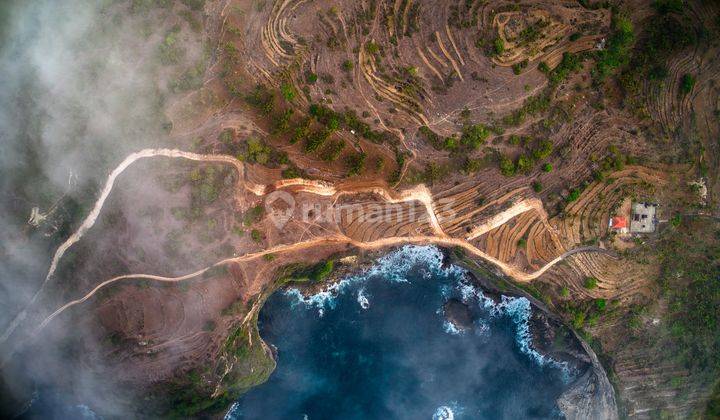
(590, 395)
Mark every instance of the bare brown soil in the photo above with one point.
(172, 307)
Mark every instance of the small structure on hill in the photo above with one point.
(618, 224)
(644, 218)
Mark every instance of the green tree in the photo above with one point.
(590, 282)
(311, 77)
(474, 135)
(687, 83)
(600, 304)
(288, 91)
(507, 166)
(498, 46)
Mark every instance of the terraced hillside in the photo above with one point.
(322, 131)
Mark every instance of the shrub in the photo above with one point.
(507, 166)
(311, 77)
(498, 46)
(574, 195)
(472, 165)
(372, 48)
(658, 72)
(519, 67)
(355, 163)
(543, 150)
(281, 123)
(291, 172)
(332, 150)
(537, 186)
(532, 106)
(676, 220)
(590, 282)
(617, 49)
(432, 137)
(600, 304)
(547, 167)
(578, 320)
(288, 91)
(474, 135)
(433, 172)
(570, 63)
(253, 215)
(348, 65)
(194, 4)
(523, 164)
(323, 270)
(169, 51)
(316, 139)
(261, 98)
(687, 83)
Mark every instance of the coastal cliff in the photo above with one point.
(590, 394)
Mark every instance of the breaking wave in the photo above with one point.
(519, 310)
(451, 328)
(394, 267)
(447, 412)
(232, 412)
(344, 333)
(363, 299)
(428, 261)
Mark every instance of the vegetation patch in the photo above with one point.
(690, 273)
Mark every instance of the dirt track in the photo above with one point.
(419, 193)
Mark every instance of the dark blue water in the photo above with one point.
(382, 348)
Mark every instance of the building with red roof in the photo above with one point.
(618, 224)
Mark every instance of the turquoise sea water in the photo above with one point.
(379, 346)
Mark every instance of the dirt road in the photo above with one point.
(419, 193)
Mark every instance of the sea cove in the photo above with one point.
(380, 344)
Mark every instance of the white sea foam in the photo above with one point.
(363, 299)
(519, 310)
(482, 328)
(444, 413)
(451, 328)
(232, 413)
(324, 298)
(448, 412)
(394, 267)
(86, 412)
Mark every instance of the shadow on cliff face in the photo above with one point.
(79, 90)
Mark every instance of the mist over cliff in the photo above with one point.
(80, 89)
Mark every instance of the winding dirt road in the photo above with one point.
(89, 221)
(418, 193)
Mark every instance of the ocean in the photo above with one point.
(380, 345)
